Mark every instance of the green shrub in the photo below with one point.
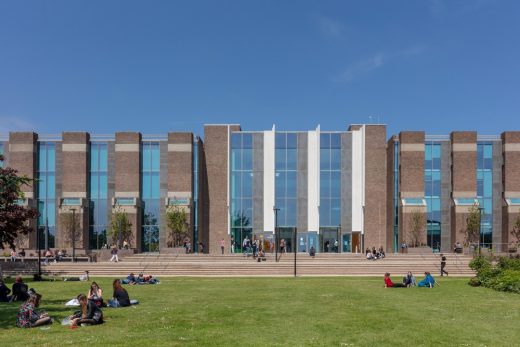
(474, 282)
(507, 281)
(503, 276)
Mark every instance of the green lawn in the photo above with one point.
(339, 311)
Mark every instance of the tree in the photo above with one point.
(72, 230)
(14, 216)
(177, 222)
(516, 230)
(473, 225)
(417, 225)
(120, 227)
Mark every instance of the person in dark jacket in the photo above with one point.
(89, 314)
(443, 265)
(20, 290)
(120, 297)
(4, 292)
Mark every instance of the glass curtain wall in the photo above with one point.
(432, 193)
(98, 214)
(150, 196)
(241, 188)
(286, 180)
(330, 191)
(47, 194)
(485, 191)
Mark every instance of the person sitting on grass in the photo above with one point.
(90, 313)
(120, 297)
(390, 284)
(4, 292)
(29, 317)
(409, 280)
(95, 293)
(20, 290)
(427, 282)
(130, 279)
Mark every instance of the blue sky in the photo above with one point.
(157, 66)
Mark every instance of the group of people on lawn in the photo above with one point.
(410, 281)
(90, 312)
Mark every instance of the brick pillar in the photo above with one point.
(411, 182)
(128, 180)
(216, 147)
(22, 157)
(463, 178)
(74, 171)
(180, 179)
(375, 233)
(511, 182)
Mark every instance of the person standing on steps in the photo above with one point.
(114, 254)
(222, 245)
(443, 265)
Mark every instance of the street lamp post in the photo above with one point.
(276, 209)
(39, 254)
(480, 209)
(295, 247)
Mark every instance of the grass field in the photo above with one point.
(339, 311)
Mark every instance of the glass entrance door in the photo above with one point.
(329, 240)
(306, 241)
(346, 243)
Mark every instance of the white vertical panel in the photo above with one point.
(228, 179)
(313, 180)
(269, 180)
(357, 180)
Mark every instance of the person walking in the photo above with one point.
(114, 254)
(222, 244)
(443, 265)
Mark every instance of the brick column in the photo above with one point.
(74, 171)
(390, 181)
(511, 182)
(216, 147)
(411, 182)
(22, 157)
(180, 180)
(463, 178)
(128, 180)
(375, 233)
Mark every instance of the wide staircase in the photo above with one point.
(204, 265)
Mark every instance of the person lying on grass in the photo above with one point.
(130, 279)
(428, 281)
(390, 284)
(90, 313)
(29, 316)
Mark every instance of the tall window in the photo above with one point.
(485, 190)
(195, 195)
(330, 180)
(432, 192)
(47, 194)
(98, 194)
(241, 187)
(396, 196)
(150, 195)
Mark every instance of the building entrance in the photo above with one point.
(306, 241)
(329, 238)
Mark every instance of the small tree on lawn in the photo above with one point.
(120, 227)
(13, 215)
(516, 230)
(72, 231)
(417, 225)
(177, 222)
(473, 225)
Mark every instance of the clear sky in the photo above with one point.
(158, 66)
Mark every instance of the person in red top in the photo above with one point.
(390, 284)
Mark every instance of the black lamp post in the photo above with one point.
(295, 249)
(39, 254)
(276, 209)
